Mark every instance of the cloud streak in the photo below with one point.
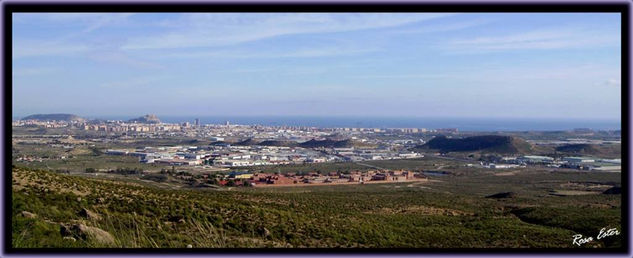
(542, 39)
(613, 82)
(212, 30)
(34, 71)
(133, 82)
(89, 21)
(306, 52)
(23, 49)
(444, 27)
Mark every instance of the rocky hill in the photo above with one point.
(483, 143)
(54, 117)
(146, 119)
(278, 143)
(247, 142)
(327, 143)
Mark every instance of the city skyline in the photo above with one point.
(405, 65)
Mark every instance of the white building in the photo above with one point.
(577, 160)
(535, 159)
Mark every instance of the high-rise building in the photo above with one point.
(197, 122)
(227, 123)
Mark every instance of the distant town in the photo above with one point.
(236, 148)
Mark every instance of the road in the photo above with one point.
(371, 166)
(453, 158)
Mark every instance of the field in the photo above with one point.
(450, 211)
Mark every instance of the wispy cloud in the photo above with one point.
(548, 38)
(432, 28)
(612, 82)
(303, 52)
(496, 74)
(88, 21)
(133, 82)
(209, 30)
(545, 72)
(119, 57)
(403, 76)
(23, 72)
(23, 48)
(68, 44)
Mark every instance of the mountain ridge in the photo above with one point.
(54, 117)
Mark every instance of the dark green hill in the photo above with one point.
(278, 143)
(247, 142)
(579, 149)
(483, 143)
(327, 143)
(54, 117)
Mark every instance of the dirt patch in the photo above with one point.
(509, 173)
(571, 192)
(422, 183)
(417, 181)
(585, 186)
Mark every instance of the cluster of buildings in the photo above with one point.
(361, 154)
(45, 124)
(245, 156)
(225, 131)
(227, 151)
(582, 163)
(130, 127)
(355, 177)
(175, 156)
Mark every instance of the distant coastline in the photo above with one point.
(463, 124)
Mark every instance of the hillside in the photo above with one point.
(247, 142)
(278, 143)
(327, 143)
(584, 149)
(54, 117)
(146, 119)
(56, 210)
(483, 143)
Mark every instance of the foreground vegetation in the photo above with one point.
(450, 211)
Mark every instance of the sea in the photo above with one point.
(462, 124)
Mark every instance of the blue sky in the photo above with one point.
(487, 65)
